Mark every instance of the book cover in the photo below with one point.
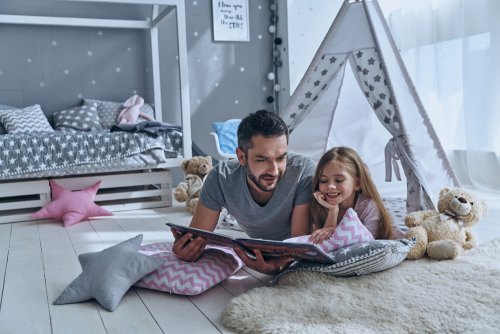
(298, 251)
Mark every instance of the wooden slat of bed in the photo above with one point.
(117, 192)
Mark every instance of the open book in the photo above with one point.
(298, 251)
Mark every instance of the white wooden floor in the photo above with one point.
(39, 259)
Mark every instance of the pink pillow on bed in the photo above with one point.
(189, 278)
(72, 206)
(349, 231)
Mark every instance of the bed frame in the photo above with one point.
(119, 190)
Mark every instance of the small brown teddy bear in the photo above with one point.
(445, 233)
(195, 170)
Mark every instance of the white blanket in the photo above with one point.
(423, 296)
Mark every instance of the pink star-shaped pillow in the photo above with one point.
(72, 206)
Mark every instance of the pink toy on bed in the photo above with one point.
(132, 110)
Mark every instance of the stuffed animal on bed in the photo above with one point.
(446, 233)
(195, 170)
(132, 110)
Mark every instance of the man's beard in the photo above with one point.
(259, 185)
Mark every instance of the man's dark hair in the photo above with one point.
(262, 122)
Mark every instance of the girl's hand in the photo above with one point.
(320, 198)
(320, 235)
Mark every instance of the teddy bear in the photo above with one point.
(188, 190)
(444, 234)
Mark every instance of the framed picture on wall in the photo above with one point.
(230, 20)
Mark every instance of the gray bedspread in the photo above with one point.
(30, 153)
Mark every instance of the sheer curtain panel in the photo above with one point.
(452, 51)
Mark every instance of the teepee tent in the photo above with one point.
(357, 93)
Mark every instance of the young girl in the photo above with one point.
(342, 181)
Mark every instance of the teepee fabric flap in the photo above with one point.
(358, 76)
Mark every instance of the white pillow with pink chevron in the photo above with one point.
(349, 231)
(188, 278)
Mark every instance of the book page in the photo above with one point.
(212, 238)
(269, 248)
(298, 251)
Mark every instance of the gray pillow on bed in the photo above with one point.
(27, 120)
(81, 118)
(108, 111)
(4, 107)
(107, 275)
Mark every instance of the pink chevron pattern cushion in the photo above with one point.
(349, 231)
(189, 278)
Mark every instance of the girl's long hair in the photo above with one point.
(353, 164)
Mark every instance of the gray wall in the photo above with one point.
(227, 79)
(57, 66)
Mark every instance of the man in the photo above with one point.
(268, 190)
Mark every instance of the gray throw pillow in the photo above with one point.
(361, 258)
(27, 120)
(107, 275)
(2, 108)
(108, 111)
(81, 118)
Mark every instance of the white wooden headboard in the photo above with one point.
(160, 10)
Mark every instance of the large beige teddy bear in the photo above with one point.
(195, 170)
(445, 233)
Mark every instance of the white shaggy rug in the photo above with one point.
(423, 296)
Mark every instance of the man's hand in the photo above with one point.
(270, 266)
(186, 248)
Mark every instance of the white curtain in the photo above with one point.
(452, 51)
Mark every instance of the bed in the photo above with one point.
(134, 166)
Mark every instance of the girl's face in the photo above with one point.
(337, 185)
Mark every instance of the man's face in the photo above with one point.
(265, 162)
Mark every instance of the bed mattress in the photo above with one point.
(63, 153)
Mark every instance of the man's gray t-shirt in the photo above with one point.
(226, 186)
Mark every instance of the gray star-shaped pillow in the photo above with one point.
(107, 275)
